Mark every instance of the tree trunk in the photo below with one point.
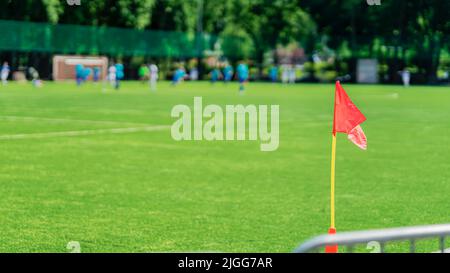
(435, 56)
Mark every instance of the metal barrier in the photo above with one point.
(380, 236)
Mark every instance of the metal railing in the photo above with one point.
(381, 236)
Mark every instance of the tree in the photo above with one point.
(431, 24)
(178, 15)
(271, 22)
(31, 10)
(406, 28)
(118, 13)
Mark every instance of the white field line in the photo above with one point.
(85, 132)
(394, 95)
(62, 120)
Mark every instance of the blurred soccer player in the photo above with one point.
(406, 77)
(242, 74)
(112, 74)
(273, 74)
(5, 73)
(153, 68)
(143, 73)
(284, 73)
(215, 75)
(119, 74)
(34, 74)
(86, 73)
(96, 75)
(292, 74)
(193, 74)
(178, 75)
(79, 74)
(227, 73)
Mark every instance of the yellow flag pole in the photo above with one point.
(332, 230)
(333, 164)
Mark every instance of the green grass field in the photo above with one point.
(144, 192)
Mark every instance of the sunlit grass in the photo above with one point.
(146, 192)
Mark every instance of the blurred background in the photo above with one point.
(316, 40)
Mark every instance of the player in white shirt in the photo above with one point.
(285, 74)
(112, 74)
(153, 76)
(193, 74)
(292, 74)
(5, 73)
(406, 77)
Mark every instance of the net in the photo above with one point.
(76, 39)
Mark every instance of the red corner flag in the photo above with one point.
(347, 118)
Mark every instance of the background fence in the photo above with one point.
(76, 39)
(34, 44)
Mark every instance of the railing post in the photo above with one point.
(442, 244)
(412, 247)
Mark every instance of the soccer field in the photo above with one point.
(65, 175)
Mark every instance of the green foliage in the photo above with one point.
(269, 23)
(236, 43)
(176, 15)
(54, 9)
(411, 33)
(135, 13)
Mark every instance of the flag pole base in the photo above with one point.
(333, 248)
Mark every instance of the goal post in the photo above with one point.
(64, 66)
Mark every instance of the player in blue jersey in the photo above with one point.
(119, 74)
(242, 75)
(215, 75)
(79, 74)
(178, 75)
(87, 73)
(273, 74)
(96, 75)
(227, 73)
